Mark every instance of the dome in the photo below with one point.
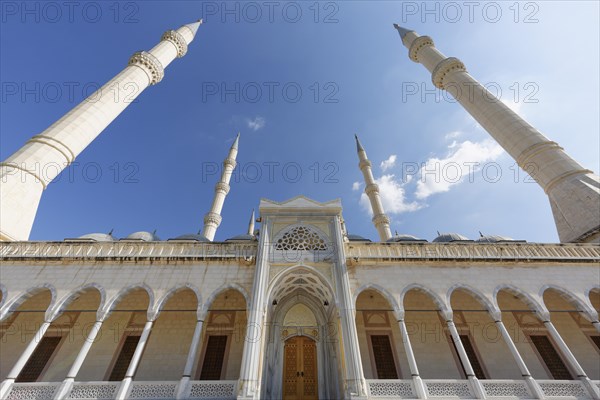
(405, 238)
(192, 236)
(450, 237)
(143, 236)
(244, 236)
(357, 238)
(98, 237)
(494, 239)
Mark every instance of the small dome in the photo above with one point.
(244, 236)
(405, 238)
(143, 236)
(98, 237)
(357, 238)
(192, 236)
(450, 237)
(494, 239)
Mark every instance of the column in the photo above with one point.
(462, 354)
(412, 362)
(534, 388)
(135, 360)
(570, 358)
(182, 389)
(16, 370)
(67, 384)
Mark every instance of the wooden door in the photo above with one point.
(300, 369)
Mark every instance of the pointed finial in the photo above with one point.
(480, 234)
(154, 232)
(111, 231)
(194, 26)
(402, 31)
(251, 224)
(359, 147)
(396, 232)
(438, 232)
(236, 142)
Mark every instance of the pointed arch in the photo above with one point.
(522, 295)
(66, 300)
(485, 301)
(160, 303)
(277, 280)
(579, 304)
(224, 288)
(439, 301)
(383, 292)
(113, 301)
(13, 304)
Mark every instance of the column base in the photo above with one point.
(123, 391)
(419, 387)
(64, 389)
(591, 387)
(477, 387)
(5, 387)
(183, 388)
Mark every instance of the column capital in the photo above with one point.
(450, 64)
(150, 64)
(178, 40)
(417, 45)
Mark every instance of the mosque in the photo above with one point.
(297, 307)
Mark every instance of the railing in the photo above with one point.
(461, 389)
(154, 390)
(473, 251)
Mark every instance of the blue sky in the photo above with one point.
(157, 158)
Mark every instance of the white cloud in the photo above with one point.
(256, 123)
(356, 186)
(440, 174)
(393, 197)
(452, 135)
(389, 163)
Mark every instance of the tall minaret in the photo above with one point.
(26, 173)
(380, 220)
(573, 190)
(213, 218)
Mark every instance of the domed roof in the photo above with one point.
(244, 236)
(494, 239)
(144, 236)
(450, 237)
(192, 236)
(357, 238)
(404, 238)
(98, 237)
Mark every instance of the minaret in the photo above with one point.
(251, 224)
(573, 190)
(380, 220)
(25, 174)
(213, 218)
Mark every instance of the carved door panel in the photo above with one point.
(300, 369)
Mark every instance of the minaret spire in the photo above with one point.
(251, 224)
(380, 219)
(213, 218)
(573, 190)
(59, 145)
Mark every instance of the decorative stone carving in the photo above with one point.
(222, 187)
(150, 64)
(391, 389)
(450, 64)
(212, 390)
(563, 388)
(153, 391)
(506, 389)
(178, 40)
(93, 391)
(28, 392)
(417, 45)
(301, 238)
(449, 389)
(212, 218)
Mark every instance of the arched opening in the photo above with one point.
(111, 353)
(429, 336)
(379, 337)
(301, 306)
(223, 338)
(579, 334)
(166, 353)
(20, 327)
(488, 354)
(534, 343)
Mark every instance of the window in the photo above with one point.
(471, 355)
(384, 357)
(213, 358)
(550, 356)
(38, 360)
(124, 359)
